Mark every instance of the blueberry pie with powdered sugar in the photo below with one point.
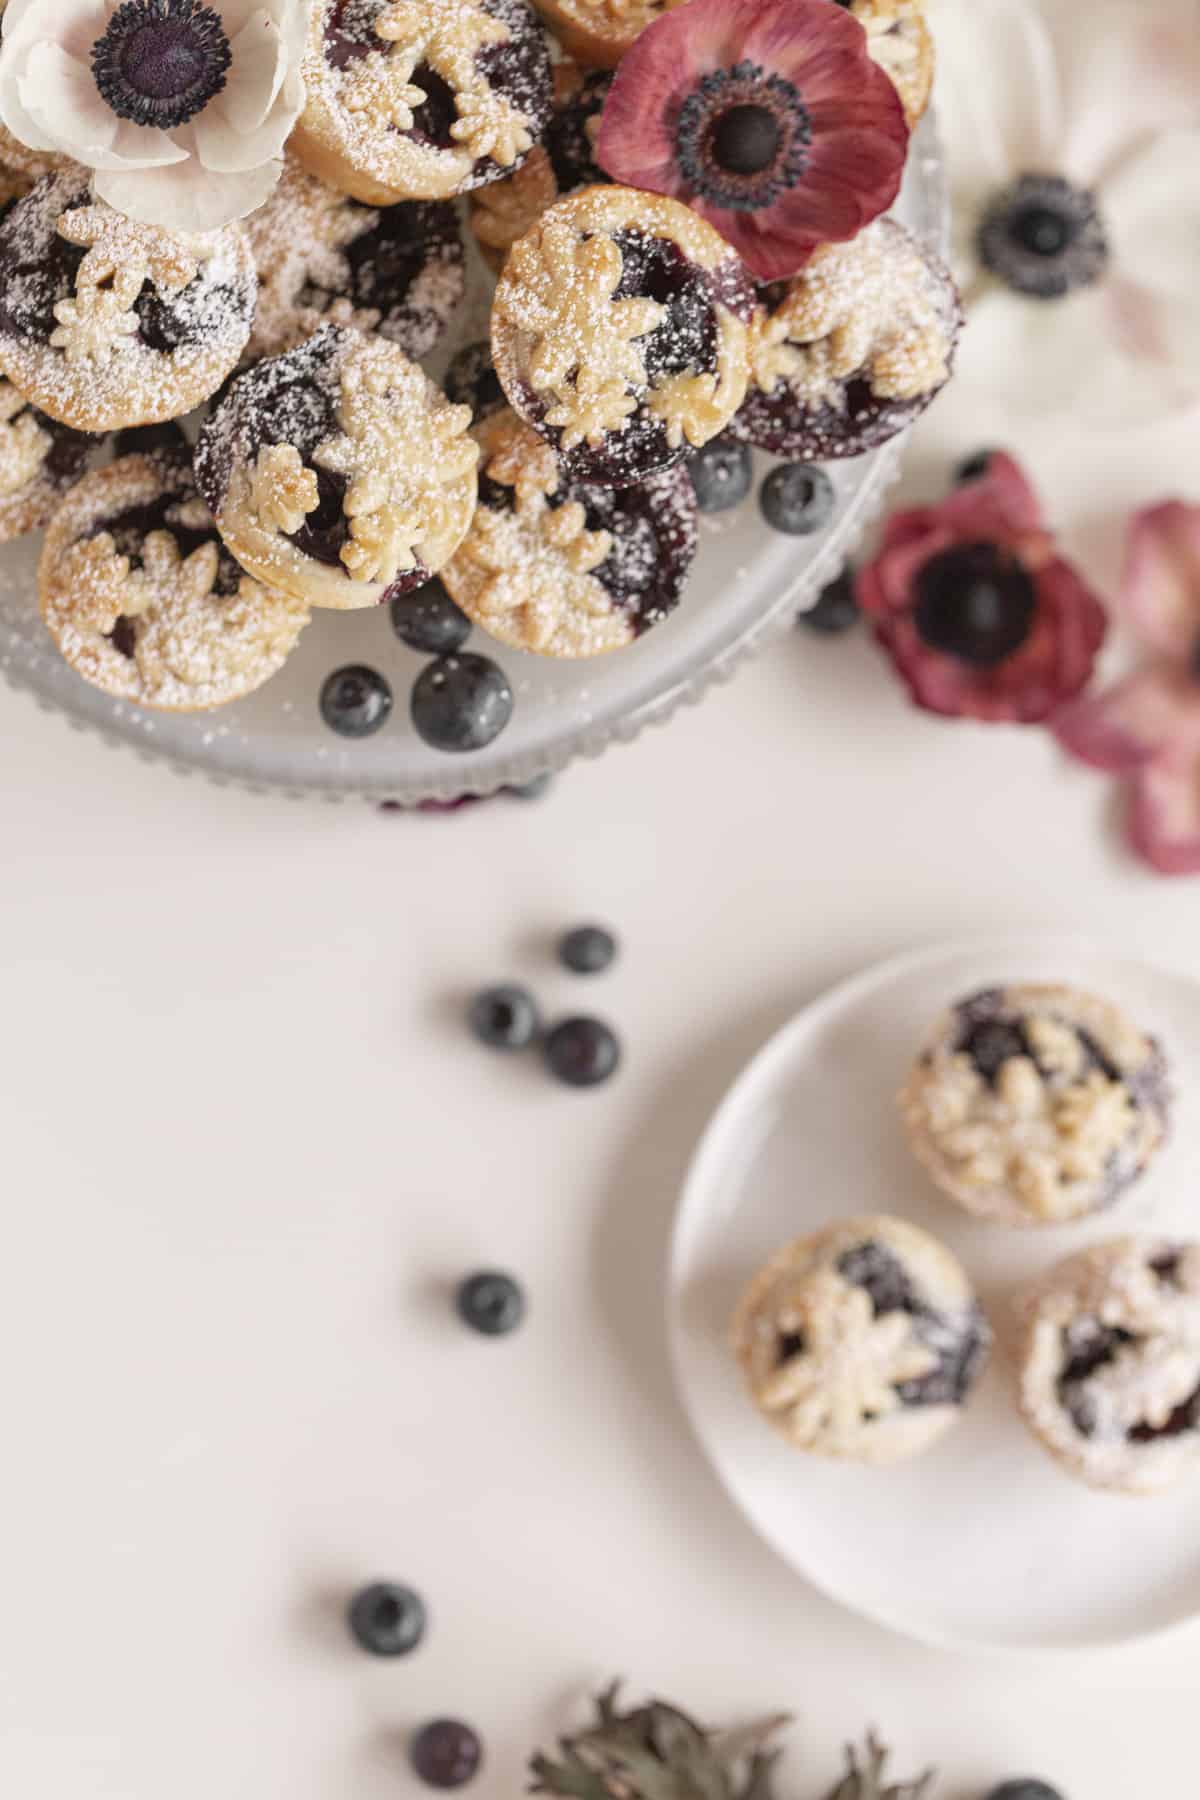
(619, 332)
(339, 472)
(864, 1341)
(561, 568)
(1036, 1104)
(105, 322)
(1110, 1363)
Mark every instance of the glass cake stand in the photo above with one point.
(747, 585)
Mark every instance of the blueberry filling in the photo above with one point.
(160, 62)
(1044, 237)
(123, 637)
(568, 142)
(975, 603)
(130, 529)
(437, 114)
(991, 1038)
(1088, 1346)
(350, 32)
(960, 1345)
(791, 1343)
(325, 529)
(656, 269)
(385, 260)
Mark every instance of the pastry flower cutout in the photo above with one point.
(181, 108)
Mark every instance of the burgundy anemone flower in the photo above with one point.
(975, 606)
(1148, 725)
(767, 116)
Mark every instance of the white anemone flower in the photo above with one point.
(181, 108)
(1074, 157)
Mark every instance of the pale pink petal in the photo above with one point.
(1152, 208)
(256, 74)
(188, 197)
(1131, 69)
(1164, 815)
(1161, 588)
(1129, 725)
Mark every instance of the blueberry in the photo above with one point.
(532, 790)
(582, 1052)
(588, 950)
(722, 474)
(461, 702)
(836, 609)
(974, 468)
(504, 1018)
(387, 1620)
(446, 1754)
(429, 620)
(492, 1304)
(1024, 1789)
(798, 499)
(355, 701)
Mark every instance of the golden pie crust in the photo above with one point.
(900, 41)
(409, 462)
(191, 648)
(352, 130)
(28, 490)
(94, 372)
(599, 32)
(558, 331)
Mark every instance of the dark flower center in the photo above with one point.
(161, 61)
(742, 138)
(976, 603)
(1044, 237)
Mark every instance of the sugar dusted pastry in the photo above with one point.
(144, 601)
(619, 331)
(338, 472)
(563, 569)
(39, 460)
(1110, 1363)
(599, 32)
(409, 100)
(863, 1341)
(1036, 1104)
(562, 163)
(106, 323)
(852, 350)
(321, 256)
(900, 41)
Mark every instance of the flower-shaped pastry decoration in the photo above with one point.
(23, 443)
(977, 609)
(1147, 726)
(1074, 150)
(767, 116)
(181, 108)
(850, 1364)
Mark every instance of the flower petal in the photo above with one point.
(256, 74)
(1164, 815)
(1161, 588)
(1132, 73)
(997, 93)
(1128, 725)
(1152, 207)
(188, 197)
(60, 95)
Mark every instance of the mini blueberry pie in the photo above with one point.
(39, 460)
(415, 100)
(1036, 1104)
(599, 32)
(619, 331)
(900, 41)
(338, 472)
(144, 601)
(563, 569)
(323, 257)
(1110, 1363)
(852, 350)
(863, 1341)
(105, 322)
(562, 163)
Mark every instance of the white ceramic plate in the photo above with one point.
(984, 1544)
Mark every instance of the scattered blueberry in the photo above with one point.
(461, 702)
(446, 1754)
(505, 1018)
(722, 474)
(582, 1052)
(974, 468)
(355, 701)
(532, 790)
(1024, 1789)
(492, 1304)
(429, 620)
(387, 1620)
(836, 609)
(798, 499)
(588, 950)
